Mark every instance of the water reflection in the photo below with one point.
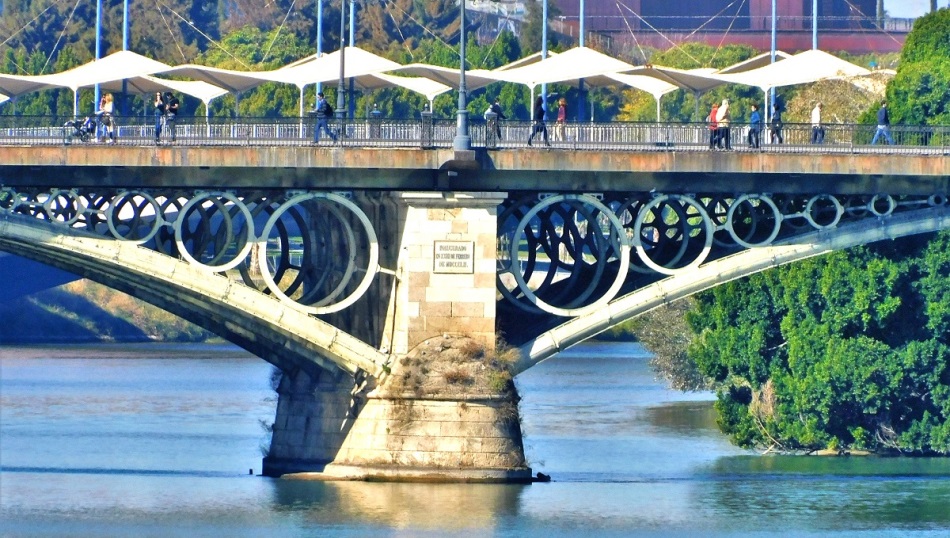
(831, 493)
(682, 418)
(447, 507)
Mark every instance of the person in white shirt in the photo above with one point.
(817, 131)
(106, 108)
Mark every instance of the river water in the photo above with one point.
(157, 440)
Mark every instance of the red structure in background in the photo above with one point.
(848, 25)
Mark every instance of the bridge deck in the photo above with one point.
(536, 169)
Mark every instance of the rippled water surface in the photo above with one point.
(158, 440)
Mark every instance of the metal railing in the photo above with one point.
(429, 132)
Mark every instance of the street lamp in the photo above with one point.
(462, 140)
(341, 88)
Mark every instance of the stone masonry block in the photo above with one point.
(436, 308)
(448, 282)
(462, 295)
(416, 325)
(420, 265)
(468, 310)
(417, 292)
(443, 213)
(486, 281)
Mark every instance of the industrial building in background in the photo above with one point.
(856, 26)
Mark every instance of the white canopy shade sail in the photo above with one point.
(754, 62)
(527, 60)
(654, 86)
(116, 66)
(149, 84)
(231, 80)
(567, 67)
(802, 68)
(326, 68)
(474, 78)
(427, 87)
(694, 80)
(365, 69)
(17, 85)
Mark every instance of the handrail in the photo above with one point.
(429, 132)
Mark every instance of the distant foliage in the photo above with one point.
(920, 92)
(84, 311)
(846, 351)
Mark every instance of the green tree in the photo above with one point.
(845, 351)
(919, 93)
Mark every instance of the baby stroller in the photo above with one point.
(83, 129)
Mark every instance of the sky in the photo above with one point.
(909, 8)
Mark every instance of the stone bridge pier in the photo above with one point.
(445, 407)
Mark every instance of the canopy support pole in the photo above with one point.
(208, 118)
(302, 134)
(531, 105)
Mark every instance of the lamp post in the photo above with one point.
(125, 46)
(98, 44)
(319, 37)
(768, 110)
(544, 48)
(462, 139)
(580, 84)
(341, 87)
(352, 108)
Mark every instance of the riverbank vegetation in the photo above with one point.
(83, 311)
(846, 351)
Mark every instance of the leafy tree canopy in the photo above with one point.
(845, 351)
(919, 93)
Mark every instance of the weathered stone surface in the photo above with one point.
(439, 416)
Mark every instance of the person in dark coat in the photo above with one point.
(539, 126)
(883, 125)
(776, 124)
(159, 115)
(499, 115)
(755, 127)
(171, 113)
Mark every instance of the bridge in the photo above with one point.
(379, 278)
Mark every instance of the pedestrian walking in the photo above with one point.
(817, 131)
(323, 112)
(713, 127)
(561, 120)
(539, 125)
(171, 113)
(159, 115)
(776, 124)
(755, 127)
(499, 115)
(883, 125)
(723, 119)
(105, 113)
